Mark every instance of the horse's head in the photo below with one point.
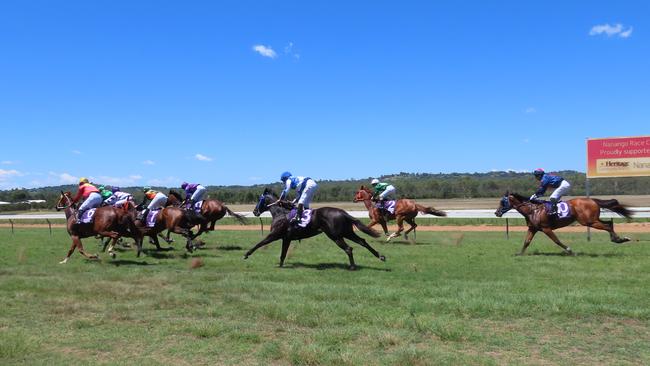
(174, 198)
(504, 205)
(266, 198)
(64, 201)
(362, 194)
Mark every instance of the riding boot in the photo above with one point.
(143, 215)
(296, 219)
(78, 218)
(553, 206)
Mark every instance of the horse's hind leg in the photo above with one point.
(361, 241)
(285, 249)
(557, 241)
(411, 221)
(348, 250)
(400, 228)
(609, 227)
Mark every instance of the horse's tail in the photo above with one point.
(242, 220)
(430, 210)
(362, 227)
(614, 206)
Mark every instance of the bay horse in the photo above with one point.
(334, 222)
(212, 210)
(586, 211)
(108, 221)
(405, 210)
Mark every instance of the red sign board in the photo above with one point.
(618, 157)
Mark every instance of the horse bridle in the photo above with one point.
(68, 202)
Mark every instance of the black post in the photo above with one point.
(507, 229)
(587, 192)
(261, 227)
(12, 225)
(50, 225)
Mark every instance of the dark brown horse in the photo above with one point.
(584, 210)
(108, 221)
(334, 222)
(212, 210)
(405, 210)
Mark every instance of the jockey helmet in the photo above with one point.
(146, 189)
(184, 184)
(285, 176)
(83, 180)
(374, 181)
(115, 189)
(538, 172)
(101, 188)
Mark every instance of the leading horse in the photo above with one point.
(334, 222)
(405, 210)
(584, 210)
(107, 221)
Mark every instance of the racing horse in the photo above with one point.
(107, 221)
(584, 210)
(212, 210)
(405, 210)
(334, 222)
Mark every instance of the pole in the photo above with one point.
(50, 225)
(507, 229)
(12, 225)
(587, 191)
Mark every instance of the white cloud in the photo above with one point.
(5, 174)
(530, 110)
(148, 162)
(8, 162)
(611, 30)
(117, 181)
(165, 182)
(265, 51)
(202, 157)
(64, 178)
(77, 152)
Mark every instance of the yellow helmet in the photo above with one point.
(83, 180)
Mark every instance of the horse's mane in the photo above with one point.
(364, 188)
(175, 194)
(520, 197)
(269, 191)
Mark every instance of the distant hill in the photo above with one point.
(409, 185)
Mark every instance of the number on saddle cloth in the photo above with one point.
(563, 209)
(387, 205)
(88, 216)
(305, 219)
(197, 206)
(151, 217)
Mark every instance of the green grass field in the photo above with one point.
(452, 298)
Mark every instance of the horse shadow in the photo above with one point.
(577, 254)
(128, 262)
(229, 247)
(327, 266)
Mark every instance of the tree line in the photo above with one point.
(409, 185)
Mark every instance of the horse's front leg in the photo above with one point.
(285, 248)
(269, 239)
(529, 237)
(400, 228)
(557, 241)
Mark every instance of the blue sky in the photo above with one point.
(155, 92)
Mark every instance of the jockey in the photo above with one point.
(193, 192)
(158, 201)
(107, 196)
(561, 185)
(120, 197)
(305, 188)
(383, 191)
(91, 196)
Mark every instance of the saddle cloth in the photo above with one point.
(197, 206)
(88, 216)
(151, 218)
(305, 219)
(563, 209)
(387, 205)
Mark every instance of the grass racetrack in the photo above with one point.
(452, 298)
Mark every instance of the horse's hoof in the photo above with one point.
(64, 261)
(382, 258)
(352, 268)
(246, 256)
(112, 254)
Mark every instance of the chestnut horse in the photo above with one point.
(107, 221)
(334, 222)
(584, 210)
(212, 210)
(405, 210)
